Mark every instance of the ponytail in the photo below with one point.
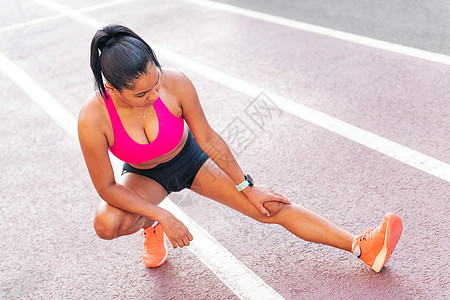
(98, 43)
(120, 56)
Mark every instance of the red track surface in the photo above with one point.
(48, 247)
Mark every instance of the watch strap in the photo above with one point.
(242, 185)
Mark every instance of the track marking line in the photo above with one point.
(350, 37)
(397, 151)
(71, 13)
(31, 22)
(392, 149)
(242, 281)
(62, 15)
(43, 99)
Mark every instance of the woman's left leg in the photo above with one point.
(308, 225)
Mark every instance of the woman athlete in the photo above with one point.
(151, 119)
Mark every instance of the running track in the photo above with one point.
(372, 138)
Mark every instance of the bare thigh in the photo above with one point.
(111, 221)
(213, 183)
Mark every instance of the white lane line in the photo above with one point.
(103, 5)
(350, 37)
(71, 13)
(43, 99)
(61, 15)
(242, 281)
(399, 152)
(31, 22)
(241, 285)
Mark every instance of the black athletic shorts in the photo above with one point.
(179, 172)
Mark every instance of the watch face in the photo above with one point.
(249, 179)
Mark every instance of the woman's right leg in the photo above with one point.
(111, 222)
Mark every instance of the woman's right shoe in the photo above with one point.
(374, 247)
(156, 250)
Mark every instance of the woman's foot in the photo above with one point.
(374, 247)
(156, 250)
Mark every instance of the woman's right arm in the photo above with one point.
(94, 146)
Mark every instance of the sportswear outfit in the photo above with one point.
(174, 175)
(374, 247)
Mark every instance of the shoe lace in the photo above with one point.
(150, 242)
(367, 235)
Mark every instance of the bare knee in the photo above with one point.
(274, 209)
(105, 226)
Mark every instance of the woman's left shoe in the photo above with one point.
(374, 247)
(156, 250)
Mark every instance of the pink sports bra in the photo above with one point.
(170, 132)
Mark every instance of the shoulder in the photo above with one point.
(176, 82)
(93, 113)
(92, 107)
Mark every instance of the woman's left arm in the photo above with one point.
(216, 148)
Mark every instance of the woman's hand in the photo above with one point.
(260, 194)
(176, 231)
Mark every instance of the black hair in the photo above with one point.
(121, 56)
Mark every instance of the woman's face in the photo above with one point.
(145, 90)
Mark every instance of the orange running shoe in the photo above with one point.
(156, 250)
(374, 247)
